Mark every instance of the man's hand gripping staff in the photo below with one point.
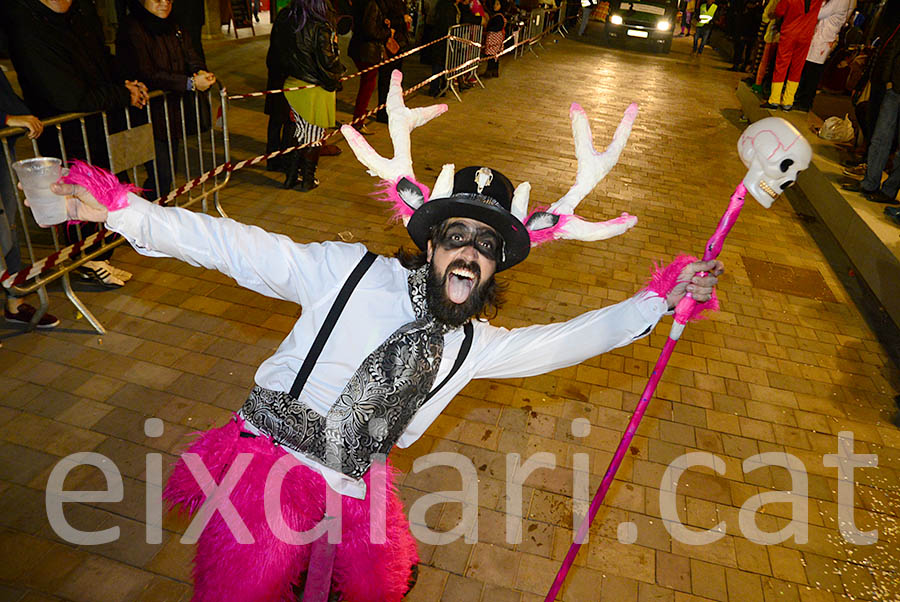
(774, 153)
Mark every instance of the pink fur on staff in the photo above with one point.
(664, 279)
(106, 187)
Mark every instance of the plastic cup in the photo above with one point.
(36, 175)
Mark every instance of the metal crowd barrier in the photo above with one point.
(463, 53)
(560, 26)
(535, 25)
(129, 151)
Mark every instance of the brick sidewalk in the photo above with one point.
(771, 372)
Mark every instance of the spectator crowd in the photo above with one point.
(62, 64)
(792, 48)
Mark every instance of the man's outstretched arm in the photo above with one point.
(541, 348)
(270, 264)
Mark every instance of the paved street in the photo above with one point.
(777, 370)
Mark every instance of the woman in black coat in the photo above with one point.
(57, 49)
(152, 48)
(304, 47)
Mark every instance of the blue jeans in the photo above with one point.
(701, 34)
(886, 129)
(585, 17)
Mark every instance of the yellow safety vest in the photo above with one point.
(706, 14)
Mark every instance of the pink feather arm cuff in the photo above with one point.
(106, 187)
(664, 279)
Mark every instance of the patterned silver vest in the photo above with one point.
(376, 405)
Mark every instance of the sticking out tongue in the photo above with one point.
(459, 287)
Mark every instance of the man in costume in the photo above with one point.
(799, 18)
(383, 345)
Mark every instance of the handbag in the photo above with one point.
(392, 46)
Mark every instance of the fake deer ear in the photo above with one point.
(541, 220)
(411, 193)
(405, 195)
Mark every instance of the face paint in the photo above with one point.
(485, 240)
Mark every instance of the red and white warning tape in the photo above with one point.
(8, 280)
(343, 79)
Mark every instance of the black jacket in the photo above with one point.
(466, 16)
(311, 54)
(889, 64)
(61, 60)
(446, 15)
(156, 52)
(63, 67)
(370, 33)
(10, 104)
(395, 11)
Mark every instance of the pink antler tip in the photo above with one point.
(575, 108)
(632, 110)
(396, 75)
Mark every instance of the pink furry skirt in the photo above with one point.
(267, 565)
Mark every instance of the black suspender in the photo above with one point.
(335, 312)
(316, 349)
(460, 357)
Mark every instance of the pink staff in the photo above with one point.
(774, 153)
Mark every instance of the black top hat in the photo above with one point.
(482, 194)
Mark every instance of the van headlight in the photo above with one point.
(616, 19)
(663, 26)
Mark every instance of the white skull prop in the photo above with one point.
(774, 153)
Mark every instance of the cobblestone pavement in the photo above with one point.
(771, 372)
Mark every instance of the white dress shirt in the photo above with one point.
(313, 274)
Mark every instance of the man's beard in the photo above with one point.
(445, 310)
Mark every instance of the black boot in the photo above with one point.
(292, 168)
(289, 163)
(308, 164)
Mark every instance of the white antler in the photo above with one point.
(558, 221)
(519, 206)
(401, 121)
(592, 166)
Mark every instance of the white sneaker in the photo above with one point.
(119, 273)
(97, 271)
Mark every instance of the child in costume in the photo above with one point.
(382, 346)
